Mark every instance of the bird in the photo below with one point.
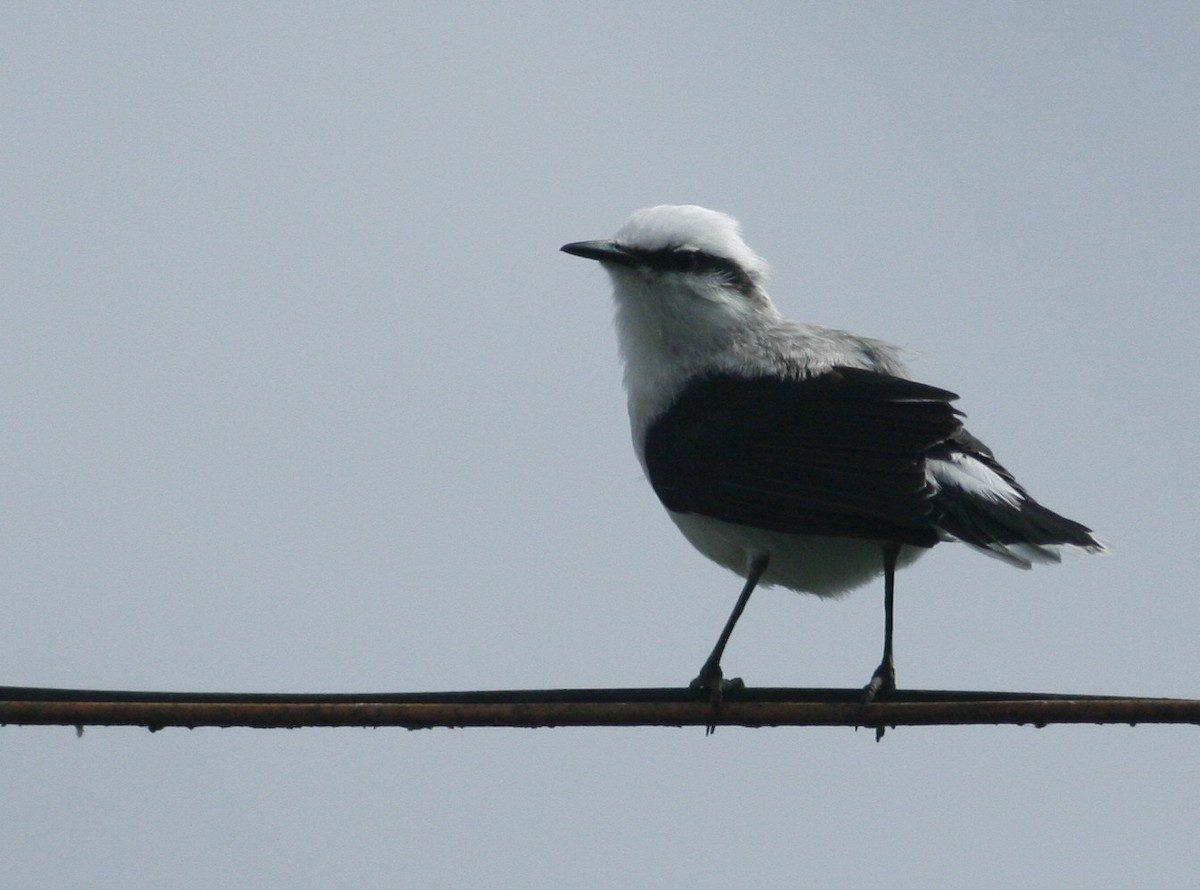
(795, 455)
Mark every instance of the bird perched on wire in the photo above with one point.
(793, 454)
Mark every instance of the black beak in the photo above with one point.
(606, 251)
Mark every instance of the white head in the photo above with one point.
(686, 227)
(681, 246)
(689, 292)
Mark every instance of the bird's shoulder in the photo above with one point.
(795, 392)
(812, 349)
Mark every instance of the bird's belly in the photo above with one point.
(817, 564)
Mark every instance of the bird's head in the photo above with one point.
(684, 257)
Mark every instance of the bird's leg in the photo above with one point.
(711, 678)
(884, 678)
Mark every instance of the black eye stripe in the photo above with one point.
(685, 259)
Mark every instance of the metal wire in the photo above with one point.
(756, 707)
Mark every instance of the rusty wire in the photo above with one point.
(577, 707)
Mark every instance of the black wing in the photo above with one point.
(841, 453)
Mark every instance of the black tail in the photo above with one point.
(980, 503)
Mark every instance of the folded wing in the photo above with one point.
(842, 453)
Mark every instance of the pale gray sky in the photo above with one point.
(299, 395)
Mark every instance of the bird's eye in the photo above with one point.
(686, 260)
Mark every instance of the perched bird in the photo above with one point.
(793, 454)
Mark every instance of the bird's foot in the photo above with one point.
(883, 681)
(711, 682)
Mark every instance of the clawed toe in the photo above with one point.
(711, 682)
(882, 682)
